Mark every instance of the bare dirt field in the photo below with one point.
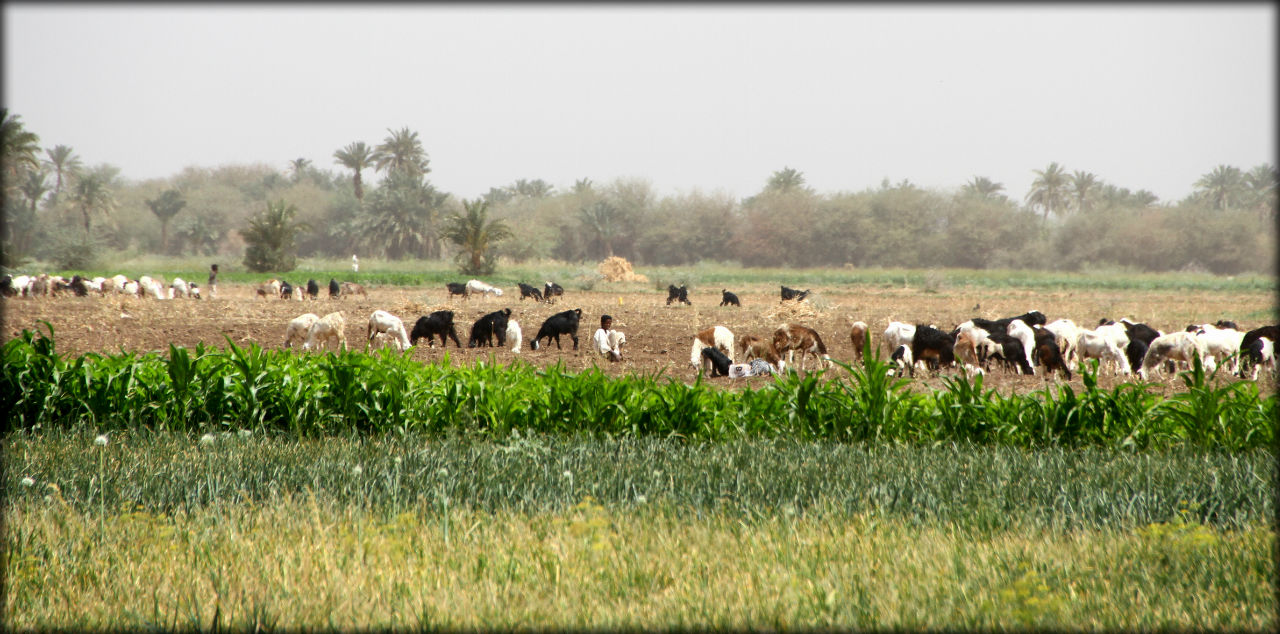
(659, 337)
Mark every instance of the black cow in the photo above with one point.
(286, 290)
(335, 289)
(791, 293)
(719, 362)
(678, 294)
(486, 328)
(529, 291)
(456, 288)
(437, 323)
(728, 299)
(552, 290)
(565, 323)
(313, 288)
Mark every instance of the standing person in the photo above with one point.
(607, 340)
(213, 281)
(355, 263)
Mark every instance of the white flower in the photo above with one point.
(100, 441)
(245, 433)
(208, 440)
(357, 470)
(568, 474)
(28, 482)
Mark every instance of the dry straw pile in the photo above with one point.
(616, 269)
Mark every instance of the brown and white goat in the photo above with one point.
(790, 338)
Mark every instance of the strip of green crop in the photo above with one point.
(322, 394)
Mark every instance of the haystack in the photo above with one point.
(794, 312)
(616, 269)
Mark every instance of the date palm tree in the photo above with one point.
(64, 162)
(165, 207)
(1049, 190)
(536, 188)
(1222, 187)
(18, 150)
(604, 221)
(402, 152)
(1084, 188)
(34, 187)
(270, 238)
(91, 194)
(356, 157)
(476, 236)
(1261, 184)
(299, 167)
(400, 219)
(785, 180)
(983, 187)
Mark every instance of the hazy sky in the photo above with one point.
(713, 97)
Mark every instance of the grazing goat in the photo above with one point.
(456, 288)
(728, 299)
(680, 294)
(286, 290)
(717, 337)
(180, 288)
(717, 361)
(1066, 332)
(1222, 344)
(298, 328)
(1270, 332)
(1008, 350)
(790, 338)
(1134, 352)
(791, 293)
(1175, 346)
(476, 287)
(335, 289)
(437, 323)
(1106, 344)
(313, 289)
(331, 327)
(267, 289)
(351, 288)
(1047, 352)
(529, 291)
(897, 335)
(933, 347)
(514, 335)
(489, 327)
(564, 323)
(751, 347)
(552, 290)
(1260, 353)
(860, 339)
(381, 322)
(1019, 330)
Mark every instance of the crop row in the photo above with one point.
(978, 487)
(208, 389)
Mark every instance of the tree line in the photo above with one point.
(60, 210)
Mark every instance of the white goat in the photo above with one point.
(330, 327)
(900, 334)
(1222, 343)
(298, 328)
(1065, 333)
(717, 337)
(514, 335)
(1175, 346)
(1019, 330)
(382, 321)
(1102, 345)
(476, 287)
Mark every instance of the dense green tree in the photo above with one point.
(476, 236)
(1049, 190)
(1224, 187)
(401, 216)
(401, 151)
(270, 237)
(92, 195)
(356, 157)
(201, 233)
(18, 150)
(65, 162)
(165, 207)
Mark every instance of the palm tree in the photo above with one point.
(91, 194)
(1261, 183)
(536, 188)
(1222, 187)
(1084, 187)
(1048, 190)
(785, 180)
(401, 217)
(356, 157)
(476, 235)
(165, 207)
(64, 161)
(582, 186)
(34, 187)
(603, 220)
(270, 238)
(402, 152)
(983, 187)
(299, 167)
(18, 149)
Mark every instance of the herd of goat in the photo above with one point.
(1018, 344)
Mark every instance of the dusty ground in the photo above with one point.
(659, 337)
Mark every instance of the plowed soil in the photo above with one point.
(659, 337)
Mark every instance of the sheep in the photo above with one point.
(489, 327)
(792, 337)
(269, 288)
(351, 288)
(859, 337)
(563, 323)
(476, 287)
(437, 323)
(330, 327)
(1175, 346)
(728, 299)
(529, 291)
(514, 335)
(717, 337)
(382, 321)
(298, 328)
(680, 294)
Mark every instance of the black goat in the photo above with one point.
(456, 288)
(335, 289)
(791, 293)
(1047, 352)
(313, 288)
(934, 347)
(565, 323)
(529, 291)
(678, 294)
(552, 290)
(486, 328)
(437, 323)
(719, 362)
(728, 299)
(286, 290)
